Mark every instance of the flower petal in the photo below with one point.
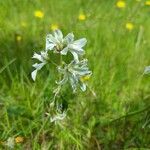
(61, 70)
(64, 51)
(38, 66)
(37, 56)
(33, 74)
(49, 46)
(69, 38)
(58, 117)
(147, 70)
(44, 55)
(83, 87)
(80, 43)
(58, 35)
(50, 38)
(73, 81)
(63, 81)
(75, 55)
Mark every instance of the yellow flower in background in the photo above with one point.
(121, 4)
(85, 78)
(147, 3)
(1, 142)
(54, 27)
(23, 24)
(18, 38)
(19, 139)
(129, 26)
(39, 14)
(82, 17)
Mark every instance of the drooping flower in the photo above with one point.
(43, 57)
(82, 17)
(121, 4)
(73, 73)
(62, 45)
(39, 14)
(129, 26)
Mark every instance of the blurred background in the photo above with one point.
(118, 35)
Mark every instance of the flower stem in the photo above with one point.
(60, 63)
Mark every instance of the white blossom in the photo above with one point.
(43, 57)
(147, 70)
(73, 72)
(76, 48)
(10, 142)
(58, 117)
(58, 44)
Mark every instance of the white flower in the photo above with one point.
(59, 116)
(147, 70)
(76, 48)
(62, 45)
(76, 73)
(54, 41)
(10, 142)
(43, 57)
(73, 73)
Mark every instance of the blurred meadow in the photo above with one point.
(118, 49)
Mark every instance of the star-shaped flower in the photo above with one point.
(63, 45)
(73, 73)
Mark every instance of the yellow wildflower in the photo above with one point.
(129, 26)
(1, 142)
(19, 139)
(54, 27)
(23, 24)
(18, 38)
(85, 78)
(147, 3)
(39, 14)
(121, 4)
(82, 17)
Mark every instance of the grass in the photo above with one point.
(118, 118)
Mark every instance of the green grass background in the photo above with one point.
(116, 56)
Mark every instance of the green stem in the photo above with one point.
(53, 63)
(60, 63)
(92, 91)
(42, 127)
(131, 114)
(125, 116)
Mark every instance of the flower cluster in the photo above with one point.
(73, 72)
